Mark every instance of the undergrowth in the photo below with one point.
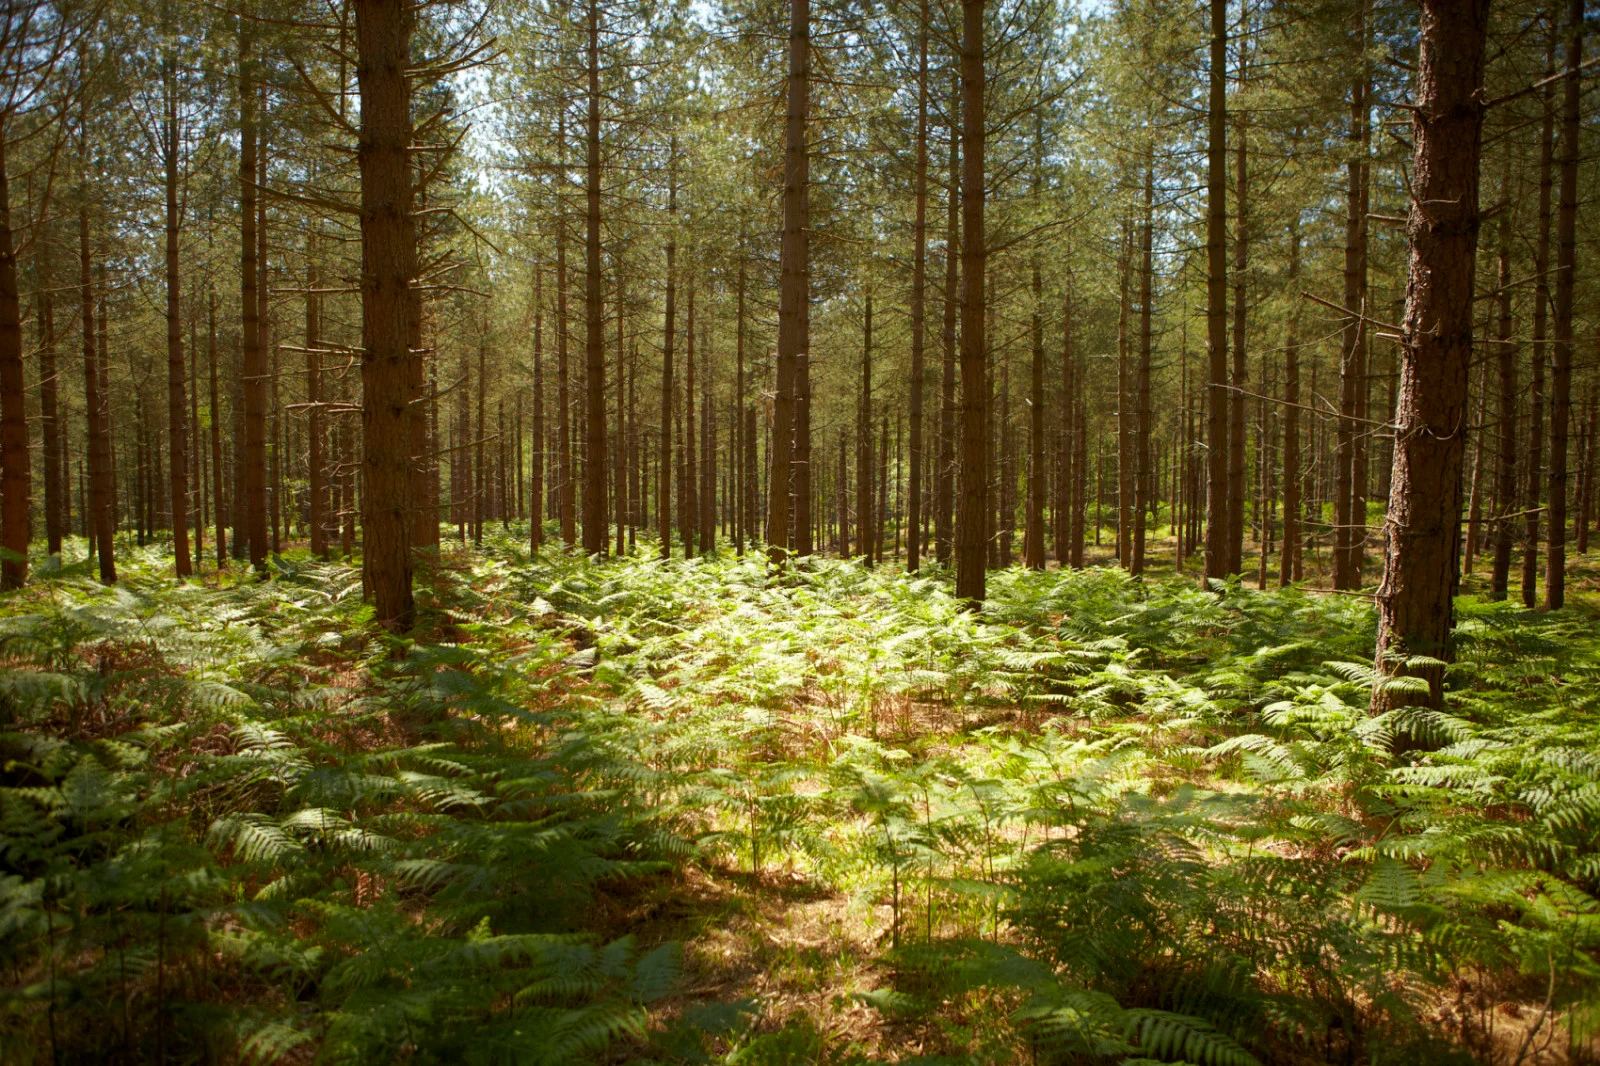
(1107, 821)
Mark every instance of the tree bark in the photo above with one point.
(1144, 485)
(253, 364)
(1424, 517)
(944, 515)
(57, 495)
(1289, 566)
(16, 476)
(177, 433)
(1348, 525)
(1505, 496)
(388, 249)
(101, 485)
(664, 467)
(864, 508)
(1534, 481)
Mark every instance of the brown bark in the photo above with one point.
(689, 488)
(1349, 526)
(1144, 486)
(219, 503)
(1534, 481)
(973, 515)
(57, 495)
(253, 364)
(1555, 587)
(177, 431)
(316, 461)
(1424, 516)
(388, 245)
(1239, 375)
(536, 490)
(864, 508)
(1217, 500)
(1033, 525)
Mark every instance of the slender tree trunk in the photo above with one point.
(219, 499)
(1555, 582)
(970, 523)
(316, 461)
(944, 517)
(741, 441)
(595, 466)
(16, 476)
(253, 369)
(1240, 372)
(664, 467)
(1126, 463)
(101, 488)
(919, 269)
(57, 494)
(864, 508)
(388, 245)
(536, 490)
(794, 293)
(1505, 494)
(1033, 527)
(1587, 493)
(1289, 568)
(689, 489)
(708, 443)
(1144, 487)
(1218, 520)
(1349, 525)
(1424, 515)
(1541, 315)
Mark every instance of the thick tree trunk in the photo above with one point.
(16, 476)
(1424, 516)
(794, 295)
(388, 248)
(595, 466)
(1217, 501)
(919, 270)
(1555, 581)
(973, 516)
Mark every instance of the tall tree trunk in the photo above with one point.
(1126, 463)
(388, 249)
(970, 523)
(741, 512)
(664, 467)
(794, 289)
(595, 466)
(316, 461)
(1144, 486)
(1217, 501)
(219, 498)
(689, 490)
(708, 444)
(1505, 495)
(536, 490)
(1289, 568)
(919, 271)
(16, 476)
(1033, 526)
(253, 365)
(944, 514)
(1349, 526)
(101, 487)
(864, 508)
(1239, 377)
(177, 435)
(57, 495)
(1555, 582)
(1534, 481)
(1424, 515)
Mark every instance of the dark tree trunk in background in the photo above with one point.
(536, 491)
(1033, 526)
(1144, 484)
(794, 295)
(1555, 581)
(1424, 517)
(316, 459)
(864, 508)
(1349, 527)
(388, 251)
(595, 468)
(1239, 373)
(219, 504)
(972, 520)
(99, 517)
(1217, 502)
(57, 494)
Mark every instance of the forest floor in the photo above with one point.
(688, 812)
